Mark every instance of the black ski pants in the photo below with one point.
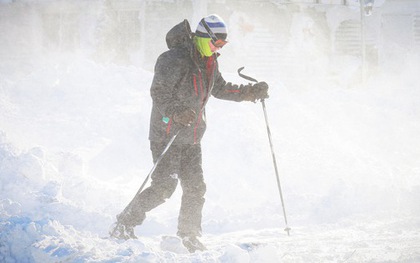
(183, 163)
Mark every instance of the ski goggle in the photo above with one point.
(214, 40)
(218, 43)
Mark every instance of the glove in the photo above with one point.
(185, 116)
(258, 91)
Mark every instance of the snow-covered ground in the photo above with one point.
(74, 150)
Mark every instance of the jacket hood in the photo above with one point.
(179, 36)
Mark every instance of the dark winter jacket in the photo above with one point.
(184, 80)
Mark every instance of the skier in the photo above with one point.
(185, 77)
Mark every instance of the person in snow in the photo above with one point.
(185, 77)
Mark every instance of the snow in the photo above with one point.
(74, 150)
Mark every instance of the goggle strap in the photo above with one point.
(211, 34)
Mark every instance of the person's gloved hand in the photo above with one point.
(185, 116)
(258, 91)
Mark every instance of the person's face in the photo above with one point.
(215, 46)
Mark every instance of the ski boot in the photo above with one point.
(192, 244)
(120, 231)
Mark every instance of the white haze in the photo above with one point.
(74, 150)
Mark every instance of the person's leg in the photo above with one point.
(194, 188)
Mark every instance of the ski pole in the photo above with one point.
(128, 207)
(153, 169)
(287, 229)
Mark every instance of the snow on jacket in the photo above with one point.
(183, 80)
